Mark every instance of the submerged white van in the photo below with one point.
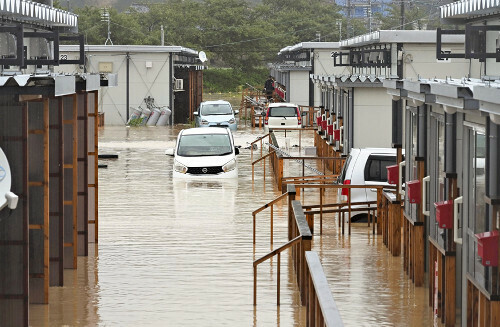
(205, 152)
(367, 166)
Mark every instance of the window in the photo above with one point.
(216, 109)
(283, 112)
(376, 167)
(204, 145)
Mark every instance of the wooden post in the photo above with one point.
(449, 301)
(272, 216)
(349, 208)
(321, 190)
(279, 265)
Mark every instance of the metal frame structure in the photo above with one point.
(475, 43)
(21, 59)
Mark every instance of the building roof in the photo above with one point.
(34, 13)
(399, 36)
(131, 48)
(310, 46)
(469, 10)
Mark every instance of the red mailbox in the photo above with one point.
(336, 134)
(444, 214)
(414, 189)
(392, 174)
(329, 129)
(323, 125)
(487, 248)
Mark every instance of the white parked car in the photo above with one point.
(367, 166)
(283, 115)
(205, 152)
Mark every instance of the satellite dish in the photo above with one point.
(202, 56)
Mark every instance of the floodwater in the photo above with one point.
(180, 253)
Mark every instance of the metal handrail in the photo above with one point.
(268, 256)
(255, 212)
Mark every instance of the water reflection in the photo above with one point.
(180, 252)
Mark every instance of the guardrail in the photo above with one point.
(265, 206)
(321, 309)
(315, 293)
(299, 241)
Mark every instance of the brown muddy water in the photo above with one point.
(180, 253)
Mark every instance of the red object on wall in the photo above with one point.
(323, 125)
(444, 214)
(392, 174)
(487, 248)
(336, 134)
(329, 129)
(414, 191)
(318, 121)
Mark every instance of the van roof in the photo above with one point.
(282, 104)
(204, 130)
(216, 102)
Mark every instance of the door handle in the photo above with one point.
(456, 202)
(425, 180)
(400, 177)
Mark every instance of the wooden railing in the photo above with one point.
(321, 309)
(299, 241)
(315, 293)
(348, 204)
(309, 118)
(265, 206)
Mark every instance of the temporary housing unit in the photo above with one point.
(296, 64)
(171, 76)
(355, 102)
(451, 133)
(48, 136)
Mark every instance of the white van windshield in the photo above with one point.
(283, 112)
(216, 109)
(204, 145)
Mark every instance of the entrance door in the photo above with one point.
(473, 217)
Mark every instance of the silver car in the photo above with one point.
(218, 113)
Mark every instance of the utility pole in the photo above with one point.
(369, 15)
(348, 17)
(162, 36)
(338, 22)
(106, 18)
(402, 15)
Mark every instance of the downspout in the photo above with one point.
(311, 84)
(171, 89)
(128, 85)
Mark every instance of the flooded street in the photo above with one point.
(180, 253)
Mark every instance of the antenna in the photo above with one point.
(106, 18)
(202, 56)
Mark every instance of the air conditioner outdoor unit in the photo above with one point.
(179, 84)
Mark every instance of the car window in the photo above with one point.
(283, 112)
(216, 109)
(341, 177)
(376, 167)
(204, 145)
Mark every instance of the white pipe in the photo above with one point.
(456, 202)
(426, 179)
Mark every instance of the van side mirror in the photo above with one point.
(195, 113)
(236, 151)
(169, 152)
(236, 112)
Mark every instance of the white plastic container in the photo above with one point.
(136, 113)
(144, 116)
(164, 116)
(155, 115)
